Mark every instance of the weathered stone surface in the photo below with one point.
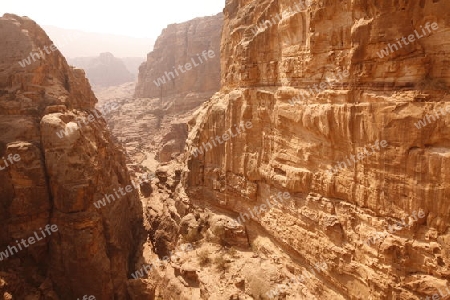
(140, 290)
(227, 231)
(58, 179)
(329, 217)
(179, 44)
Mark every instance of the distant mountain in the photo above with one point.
(131, 63)
(104, 70)
(75, 43)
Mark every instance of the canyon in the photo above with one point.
(160, 113)
(264, 213)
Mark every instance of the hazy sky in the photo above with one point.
(137, 18)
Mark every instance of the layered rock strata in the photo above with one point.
(184, 45)
(317, 90)
(67, 162)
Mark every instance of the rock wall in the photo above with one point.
(316, 89)
(178, 45)
(59, 177)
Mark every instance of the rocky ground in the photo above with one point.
(228, 260)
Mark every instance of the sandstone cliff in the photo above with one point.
(59, 177)
(178, 45)
(316, 89)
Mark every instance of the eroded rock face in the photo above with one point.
(329, 217)
(67, 162)
(180, 44)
